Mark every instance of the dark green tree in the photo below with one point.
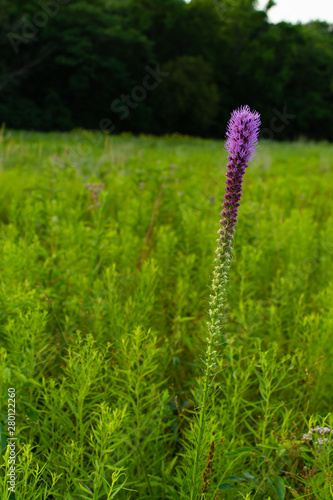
(64, 63)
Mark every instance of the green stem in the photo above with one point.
(202, 418)
(217, 299)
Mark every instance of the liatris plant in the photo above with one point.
(242, 138)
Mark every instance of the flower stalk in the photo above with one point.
(242, 139)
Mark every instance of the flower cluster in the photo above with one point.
(242, 138)
(314, 433)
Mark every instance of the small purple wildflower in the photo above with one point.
(242, 139)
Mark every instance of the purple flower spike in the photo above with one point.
(242, 135)
(242, 139)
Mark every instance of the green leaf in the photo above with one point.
(249, 476)
(85, 488)
(279, 487)
(239, 451)
(225, 486)
(234, 478)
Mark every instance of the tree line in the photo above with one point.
(162, 66)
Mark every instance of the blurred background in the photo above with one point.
(164, 66)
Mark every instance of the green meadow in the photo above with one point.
(106, 255)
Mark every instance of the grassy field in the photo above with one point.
(107, 249)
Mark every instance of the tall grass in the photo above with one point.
(103, 305)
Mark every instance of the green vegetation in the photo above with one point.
(75, 63)
(106, 259)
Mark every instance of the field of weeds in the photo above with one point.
(106, 255)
